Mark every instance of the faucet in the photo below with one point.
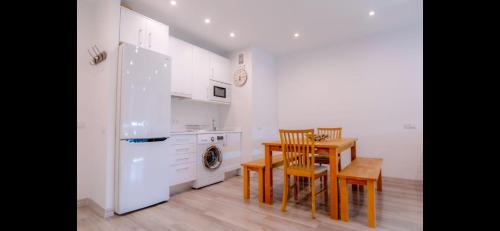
(213, 125)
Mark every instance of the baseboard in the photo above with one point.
(411, 181)
(82, 203)
(180, 188)
(95, 207)
(231, 173)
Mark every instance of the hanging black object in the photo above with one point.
(97, 56)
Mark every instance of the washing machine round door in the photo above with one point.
(212, 157)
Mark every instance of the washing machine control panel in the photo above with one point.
(210, 138)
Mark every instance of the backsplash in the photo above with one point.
(189, 112)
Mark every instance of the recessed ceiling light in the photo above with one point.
(207, 20)
(371, 13)
(173, 3)
(296, 35)
(232, 34)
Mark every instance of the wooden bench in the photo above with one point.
(361, 171)
(258, 166)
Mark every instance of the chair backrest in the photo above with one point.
(332, 133)
(298, 149)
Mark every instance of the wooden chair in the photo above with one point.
(298, 161)
(258, 166)
(362, 171)
(332, 133)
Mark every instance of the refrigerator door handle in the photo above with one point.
(146, 140)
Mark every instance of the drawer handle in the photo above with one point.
(182, 149)
(182, 159)
(179, 169)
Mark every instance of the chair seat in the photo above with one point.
(318, 170)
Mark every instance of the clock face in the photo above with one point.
(240, 77)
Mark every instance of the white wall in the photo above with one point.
(239, 114)
(264, 100)
(254, 106)
(190, 112)
(97, 23)
(371, 87)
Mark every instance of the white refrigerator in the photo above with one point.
(143, 129)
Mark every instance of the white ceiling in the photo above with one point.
(270, 24)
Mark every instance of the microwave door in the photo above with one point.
(219, 92)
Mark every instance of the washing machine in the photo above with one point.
(209, 159)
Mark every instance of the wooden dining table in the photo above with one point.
(331, 148)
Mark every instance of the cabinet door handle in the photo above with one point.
(149, 39)
(139, 37)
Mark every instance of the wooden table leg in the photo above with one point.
(353, 156)
(344, 200)
(269, 175)
(334, 203)
(371, 203)
(246, 183)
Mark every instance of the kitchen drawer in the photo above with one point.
(184, 148)
(184, 139)
(182, 173)
(182, 158)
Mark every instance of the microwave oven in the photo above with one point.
(219, 91)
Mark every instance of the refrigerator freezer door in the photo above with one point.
(142, 175)
(144, 93)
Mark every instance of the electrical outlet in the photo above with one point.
(409, 126)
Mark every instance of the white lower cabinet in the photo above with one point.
(183, 159)
(232, 151)
(183, 173)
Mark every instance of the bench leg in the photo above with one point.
(344, 200)
(261, 185)
(379, 182)
(246, 183)
(371, 203)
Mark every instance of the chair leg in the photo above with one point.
(285, 192)
(295, 188)
(339, 165)
(371, 203)
(313, 197)
(246, 183)
(261, 185)
(344, 200)
(325, 187)
(379, 182)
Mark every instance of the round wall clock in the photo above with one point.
(240, 77)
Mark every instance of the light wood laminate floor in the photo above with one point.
(221, 207)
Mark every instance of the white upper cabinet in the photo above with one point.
(157, 36)
(142, 31)
(182, 67)
(201, 73)
(132, 27)
(219, 69)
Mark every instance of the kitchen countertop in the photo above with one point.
(203, 132)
